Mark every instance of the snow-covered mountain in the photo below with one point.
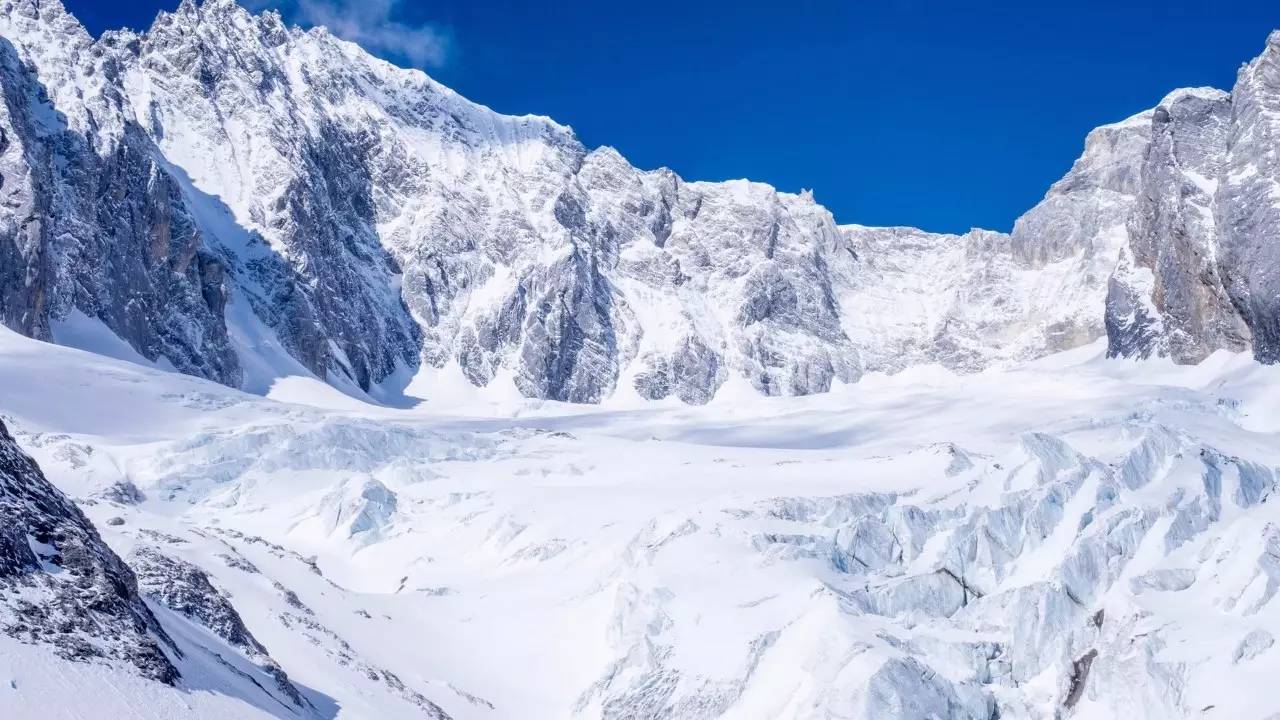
(243, 201)
(314, 205)
(969, 302)
(273, 243)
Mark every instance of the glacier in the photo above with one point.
(1070, 537)
(328, 393)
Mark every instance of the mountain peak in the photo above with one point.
(300, 169)
(1202, 93)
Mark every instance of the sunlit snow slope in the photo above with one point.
(1076, 538)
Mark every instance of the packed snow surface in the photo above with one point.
(1074, 537)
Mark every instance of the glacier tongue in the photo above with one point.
(1074, 537)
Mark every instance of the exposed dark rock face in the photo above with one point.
(692, 373)
(60, 585)
(186, 589)
(1202, 269)
(90, 222)
(1248, 206)
(98, 220)
(372, 220)
(1079, 677)
(1167, 295)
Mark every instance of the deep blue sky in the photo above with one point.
(943, 115)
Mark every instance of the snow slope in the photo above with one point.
(1075, 537)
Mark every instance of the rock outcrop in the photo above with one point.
(187, 590)
(1248, 205)
(1167, 295)
(61, 586)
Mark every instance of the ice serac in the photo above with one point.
(1248, 201)
(63, 587)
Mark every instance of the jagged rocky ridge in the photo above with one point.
(372, 220)
(187, 590)
(236, 198)
(156, 615)
(61, 586)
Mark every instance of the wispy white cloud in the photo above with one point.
(373, 24)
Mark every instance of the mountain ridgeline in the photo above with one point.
(238, 199)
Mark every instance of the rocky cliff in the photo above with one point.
(240, 199)
(62, 586)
